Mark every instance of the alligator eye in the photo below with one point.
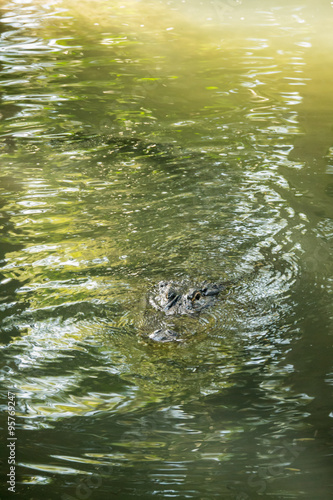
(196, 296)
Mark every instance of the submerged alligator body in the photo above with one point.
(177, 299)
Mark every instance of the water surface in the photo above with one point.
(145, 141)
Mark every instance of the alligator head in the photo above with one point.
(178, 299)
(174, 300)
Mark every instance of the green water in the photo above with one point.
(143, 141)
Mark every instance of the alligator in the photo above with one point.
(174, 299)
(177, 299)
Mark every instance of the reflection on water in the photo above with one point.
(145, 141)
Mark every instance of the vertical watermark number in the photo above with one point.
(11, 442)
